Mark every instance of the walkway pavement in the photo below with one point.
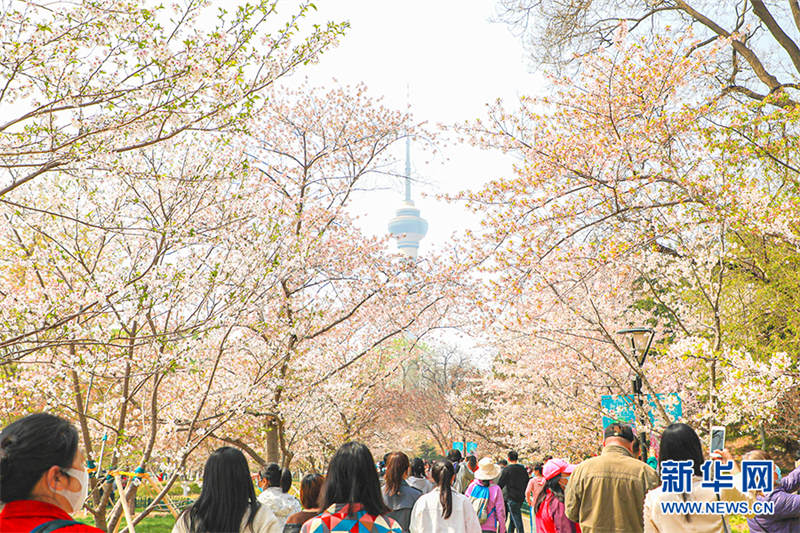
(526, 521)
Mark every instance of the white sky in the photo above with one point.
(453, 61)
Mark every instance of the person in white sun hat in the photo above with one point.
(487, 497)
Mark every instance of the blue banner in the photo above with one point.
(465, 450)
(621, 408)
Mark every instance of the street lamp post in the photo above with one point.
(641, 340)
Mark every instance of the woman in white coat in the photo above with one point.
(443, 510)
(680, 442)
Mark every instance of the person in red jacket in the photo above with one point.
(42, 476)
(549, 504)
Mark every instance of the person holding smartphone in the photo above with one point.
(680, 442)
(717, 442)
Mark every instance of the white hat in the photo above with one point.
(487, 469)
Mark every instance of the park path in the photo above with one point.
(526, 521)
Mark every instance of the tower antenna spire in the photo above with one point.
(407, 226)
(408, 169)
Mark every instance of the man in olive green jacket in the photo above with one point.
(605, 494)
(464, 476)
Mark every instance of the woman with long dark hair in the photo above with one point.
(443, 510)
(42, 475)
(398, 495)
(275, 495)
(310, 488)
(549, 503)
(680, 442)
(352, 492)
(227, 503)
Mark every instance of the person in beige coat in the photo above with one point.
(680, 442)
(228, 500)
(606, 494)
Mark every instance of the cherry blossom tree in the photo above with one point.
(240, 301)
(761, 60)
(342, 299)
(180, 263)
(634, 182)
(87, 86)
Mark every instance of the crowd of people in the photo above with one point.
(44, 480)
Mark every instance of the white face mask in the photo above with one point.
(76, 499)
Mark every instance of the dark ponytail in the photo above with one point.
(286, 480)
(442, 473)
(28, 448)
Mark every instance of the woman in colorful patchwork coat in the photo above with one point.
(352, 495)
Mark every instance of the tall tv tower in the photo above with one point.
(407, 226)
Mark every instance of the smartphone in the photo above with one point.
(717, 438)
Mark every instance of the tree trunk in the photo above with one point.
(712, 394)
(273, 441)
(286, 455)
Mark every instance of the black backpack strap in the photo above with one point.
(53, 525)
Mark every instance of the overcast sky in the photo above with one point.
(453, 61)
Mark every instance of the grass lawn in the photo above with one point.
(738, 524)
(151, 524)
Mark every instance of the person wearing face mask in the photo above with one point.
(42, 476)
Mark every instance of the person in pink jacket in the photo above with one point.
(485, 477)
(535, 485)
(549, 504)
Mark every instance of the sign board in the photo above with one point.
(465, 448)
(620, 408)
